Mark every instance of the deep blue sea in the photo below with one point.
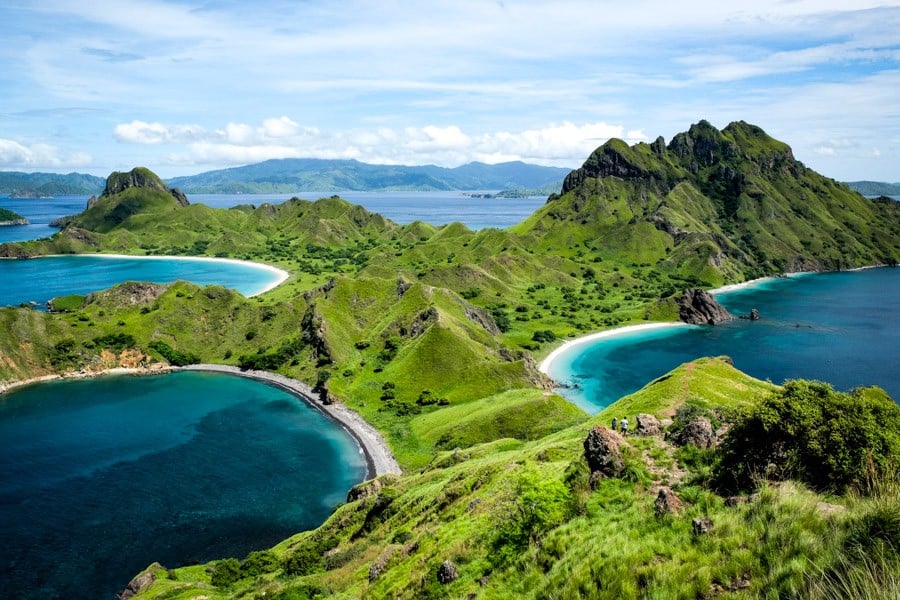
(100, 477)
(843, 328)
(43, 278)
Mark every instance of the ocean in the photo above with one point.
(843, 328)
(101, 477)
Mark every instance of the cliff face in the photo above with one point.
(142, 178)
(726, 205)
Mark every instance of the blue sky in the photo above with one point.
(186, 87)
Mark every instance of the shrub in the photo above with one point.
(830, 440)
(543, 335)
(225, 572)
(175, 357)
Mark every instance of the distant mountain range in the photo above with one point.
(291, 175)
(310, 174)
(41, 185)
(875, 188)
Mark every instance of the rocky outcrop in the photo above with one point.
(130, 293)
(753, 315)
(447, 572)
(602, 450)
(647, 425)
(698, 432)
(701, 525)
(139, 177)
(139, 583)
(483, 318)
(698, 307)
(370, 488)
(667, 503)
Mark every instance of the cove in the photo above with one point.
(842, 328)
(42, 278)
(100, 477)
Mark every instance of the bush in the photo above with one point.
(225, 572)
(543, 335)
(175, 357)
(830, 440)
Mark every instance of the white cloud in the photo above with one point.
(563, 144)
(14, 155)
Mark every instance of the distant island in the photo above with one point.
(875, 188)
(8, 218)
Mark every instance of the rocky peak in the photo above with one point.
(701, 146)
(140, 177)
(699, 307)
(612, 159)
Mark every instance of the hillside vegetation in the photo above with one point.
(429, 333)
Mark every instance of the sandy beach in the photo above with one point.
(281, 274)
(548, 361)
(379, 459)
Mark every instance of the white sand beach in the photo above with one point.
(548, 361)
(379, 459)
(281, 274)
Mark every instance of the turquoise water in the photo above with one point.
(843, 328)
(43, 278)
(100, 477)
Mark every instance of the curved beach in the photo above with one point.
(379, 460)
(281, 274)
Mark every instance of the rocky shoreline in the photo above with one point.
(379, 459)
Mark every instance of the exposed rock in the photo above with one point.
(369, 488)
(377, 567)
(667, 503)
(737, 500)
(447, 572)
(826, 509)
(602, 452)
(698, 432)
(139, 177)
(698, 307)
(139, 583)
(701, 525)
(402, 287)
(483, 318)
(62, 222)
(423, 321)
(130, 293)
(91, 202)
(647, 425)
(753, 315)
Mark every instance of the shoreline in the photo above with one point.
(153, 369)
(281, 274)
(378, 456)
(545, 364)
(379, 459)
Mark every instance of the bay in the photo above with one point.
(842, 328)
(42, 278)
(100, 477)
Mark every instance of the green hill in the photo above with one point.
(875, 188)
(429, 333)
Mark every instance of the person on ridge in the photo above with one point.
(614, 424)
(624, 423)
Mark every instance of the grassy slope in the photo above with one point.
(611, 546)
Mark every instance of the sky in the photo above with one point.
(192, 86)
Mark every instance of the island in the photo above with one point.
(10, 218)
(721, 485)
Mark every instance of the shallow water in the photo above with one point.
(843, 328)
(40, 279)
(100, 477)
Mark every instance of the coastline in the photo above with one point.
(379, 459)
(153, 369)
(281, 274)
(378, 456)
(545, 364)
